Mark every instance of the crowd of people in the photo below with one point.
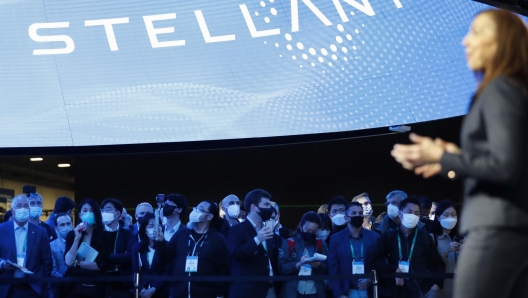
(229, 238)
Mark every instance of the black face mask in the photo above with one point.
(266, 213)
(168, 210)
(307, 237)
(356, 221)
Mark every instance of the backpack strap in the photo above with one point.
(291, 244)
(319, 245)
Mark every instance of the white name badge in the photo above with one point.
(191, 264)
(404, 266)
(20, 260)
(358, 267)
(306, 270)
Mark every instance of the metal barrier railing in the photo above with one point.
(373, 275)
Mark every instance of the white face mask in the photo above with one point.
(195, 216)
(22, 214)
(108, 217)
(410, 220)
(392, 211)
(150, 234)
(63, 231)
(448, 223)
(241, 220)
(323, 234)
(35, 212)
(431, 216)
(367, 210)
(233, 211)
(339, 219)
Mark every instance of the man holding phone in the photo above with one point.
(254, 248)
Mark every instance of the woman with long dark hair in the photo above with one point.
(444, 231)
(493, 160)
(89, 230)
(146, 259)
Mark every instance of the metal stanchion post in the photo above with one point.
(136, 284)
(375, 283)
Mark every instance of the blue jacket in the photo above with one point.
(340, 258)
(250, 259)
(38, 254)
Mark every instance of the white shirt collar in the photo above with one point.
(108, 229)
(254, 225)
(174, 229)
(25, 226)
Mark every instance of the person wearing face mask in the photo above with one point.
(89, 231)
(336, 210)
(198, 250)
(27, 245)
(390, 220)
(353, 251)
(254, 248)
(448, 241)
(410, 250)
(174, 207)
(283, 232)
(301, 245)
(326, 227)
(63, 204)
(146, 259)
(63, 225)
(364, 200)
(230, 211)
(116, 246)
(35, 211)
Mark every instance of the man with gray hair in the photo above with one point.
(231, 209)
(384, 223)
(35, 211)
(141, 210)
(26, 245)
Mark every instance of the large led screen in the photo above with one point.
(98, 72)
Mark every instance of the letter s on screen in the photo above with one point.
(70, 46)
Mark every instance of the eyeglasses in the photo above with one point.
(108, 209)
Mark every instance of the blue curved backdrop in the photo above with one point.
(227, 69)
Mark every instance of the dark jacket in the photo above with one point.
(38, 255)
(106, 243)
(213, 260)
(225, 227)
(425, 259)
(158, 268)
(250, 259)
(287, 262)
(494, 159)
(340, 258)
(52, 235)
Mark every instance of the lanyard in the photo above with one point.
(192, 254)
(412, 246)
(352, 250)
(115, 243)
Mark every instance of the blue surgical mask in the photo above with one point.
(21, 214)
(63, 231)
(88, 218)
(35, 212)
